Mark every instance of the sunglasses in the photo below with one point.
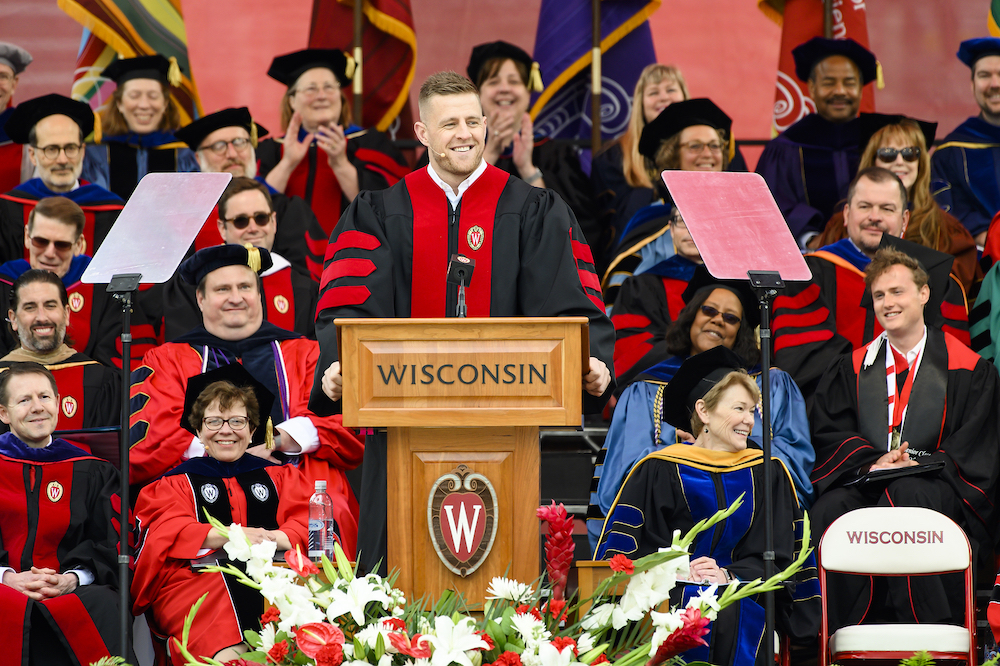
(42, 243)
(712, 313)
(243, 221)
(910, 154)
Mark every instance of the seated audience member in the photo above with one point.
(818, 320)
(917, 402)
(246, 215)
(233, 331)
(55, 242)
(693, 135)
(137, 126)
(809, 166)
(54, 127)
(226, 141)
(899, 144)
(39, 314)
(967, 158)
(13, 61)
(59, 555)
(718, 314)
(225, 409)
(674, 488)
(324, 158)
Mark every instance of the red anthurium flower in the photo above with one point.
(687, 636)
(560, 643)
(418, 648)
(272, 614)
(394, 623)
(299, 563)
(312, 637)
(508, 659)
(278, 652)
(622, 564)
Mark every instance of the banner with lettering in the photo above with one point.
(800, 21)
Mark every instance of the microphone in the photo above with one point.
(460, 270)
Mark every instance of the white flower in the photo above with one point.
(509, 589)
(666, 624)
(451, 641)
(707, 601)
(263, 551)
(532, 630)
(647, 590)
(359, 593)
(369, 637)
(548, 655)
(238, 546)
(297, 608)
(267, 634)
(585, 643)
(598, 617)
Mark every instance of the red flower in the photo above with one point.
(559, 546)
(299, 563)
(239, 662)
(418, 647)
(508, 659)
(330, 655)
(278, 653)
(394, 623)
(687, 636)
(525, 608)
(314, 636)
(486, 639)
(558, 607)
(620, 563)
(560, 643)
(601, 659)
(272, 614)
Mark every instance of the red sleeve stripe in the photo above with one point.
(317, 246)
(590, 281)
(336, 297)
(629, 350)
(806, 297)
(804, 320)
(623, 321)
(393, 171)
(962, 336)
(348, 267)
(581, 251)
(798, 339)
(953, 311)
(348, 240)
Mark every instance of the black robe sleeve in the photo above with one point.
(102, 401)
(299, 235)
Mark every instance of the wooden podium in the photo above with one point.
(462, 400)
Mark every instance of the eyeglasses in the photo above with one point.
(43, 243)
(695, 147)
(243, 221)
(219, 147)
(52, 152)
(235, 422)
(314, 91)
(910, 153)
(727, 317)
(5, 77)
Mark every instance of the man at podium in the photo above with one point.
(389, 255)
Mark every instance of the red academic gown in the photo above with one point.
(11, 155)
(171, 516)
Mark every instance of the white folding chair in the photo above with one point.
(896, 541)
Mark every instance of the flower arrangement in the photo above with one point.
(362, 620)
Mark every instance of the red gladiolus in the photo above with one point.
(330, 655)
(558, 546)
(272, 614)
(418, 647)
(621, 564)
(684, 638)
(278, 652)
(508, 659)
(560, 643)
(299, 563)
(313, 637)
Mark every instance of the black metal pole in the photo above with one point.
(123, 524)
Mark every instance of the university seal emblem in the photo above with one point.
(76, 301)
(260, 491)
(475, 237)
(462, 519)
(281, 304)
(54, 491)
(69, 406)
(210, 493)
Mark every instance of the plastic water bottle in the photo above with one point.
(321, 523)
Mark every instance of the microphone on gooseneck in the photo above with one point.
(460, 270)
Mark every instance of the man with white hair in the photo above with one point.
(13, 61)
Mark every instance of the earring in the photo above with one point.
(706, 429)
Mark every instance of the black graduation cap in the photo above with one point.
(485, 52)
(938, 267)
(289, 67)
(869, 123)
(194, 133)
(27, 114)
(14, 57)
(676, 117)
(972, 50)
(819, 48)
(195, 268)
(702, 279)
(154, 67)
(237, 375)
(696, 377)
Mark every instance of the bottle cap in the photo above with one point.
(321, 486)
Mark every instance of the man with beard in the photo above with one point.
(968, 158)
(388, 257)
(809, 166)
(226, 141)
(817, 321)
(13, 61)
(90, 393)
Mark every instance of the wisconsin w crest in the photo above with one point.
(462, 519)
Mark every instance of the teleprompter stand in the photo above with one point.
(740, 234)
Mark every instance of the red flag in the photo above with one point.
(389, 52)
(801, 20)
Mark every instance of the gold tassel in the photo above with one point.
(98, 133)
(253, 257)
(253, 133)
(174, 73)
(732, 148)
(269, 434)
(879, 78)
(351, 66)
(535, 79)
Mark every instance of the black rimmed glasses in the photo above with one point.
(235, 422)
(219, 147)
(52, 152)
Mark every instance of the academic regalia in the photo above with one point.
(950, 416)
(644, 242)
(378, 162)
(171, 516)
(289, 296)
(95, 317)
(634, 434)
(817, 321)
(11, 155)
(119, 162)
(100, 209)
(808, 169)
(388, 259)
(675, 488)
(967, 160)
(285, 363)
(59, 516)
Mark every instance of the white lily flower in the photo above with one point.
(452, 640)
(296, 607)
(359, 593)
(548, 655)
(509, 589)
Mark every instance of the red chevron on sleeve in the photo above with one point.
(629, 350)
(954, 312)
(388, 167)
(626, 321)
(588, 278)
(806, 297)
(351, 239)
(347, 267)
(336, 297)
(796, 339)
